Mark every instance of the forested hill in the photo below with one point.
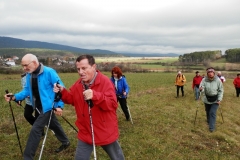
(8, 42)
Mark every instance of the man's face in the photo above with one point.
(28, 66)
(85, 70)
(210, 74)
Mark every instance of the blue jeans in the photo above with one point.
(211, 113)
(196, 91)
(84, 150)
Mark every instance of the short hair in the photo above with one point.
(117, 70)
(90, 59)
(31, 57)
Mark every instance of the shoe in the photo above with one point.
(176, 97)
(62, 147)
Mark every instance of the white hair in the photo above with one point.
(31, 57)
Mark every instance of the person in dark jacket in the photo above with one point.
(195, 84)
(212, 89)
(122, 89)
(39, 87)
(236, 83)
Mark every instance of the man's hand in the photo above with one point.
(8, 97)
(57, 88)
(58, 111)
(88, 94)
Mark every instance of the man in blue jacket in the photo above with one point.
(39, 87)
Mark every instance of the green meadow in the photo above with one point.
(163, 126)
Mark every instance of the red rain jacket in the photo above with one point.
(104, 118)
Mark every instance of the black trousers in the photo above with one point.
(237, 91)
(182, 90)
(28, 114)
(36, 133)
(123, 104)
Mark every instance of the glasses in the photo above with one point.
(25, 65)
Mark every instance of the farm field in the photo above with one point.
(162, 127)
(136, 59)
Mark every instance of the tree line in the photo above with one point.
(233, 55)
(200, 57)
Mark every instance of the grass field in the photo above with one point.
(162, 125)
(137, 59)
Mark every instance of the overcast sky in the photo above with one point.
(134, 26)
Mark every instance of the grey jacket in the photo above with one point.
(211, 88)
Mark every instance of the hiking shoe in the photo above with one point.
(62, 147)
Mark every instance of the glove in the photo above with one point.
(58, 97)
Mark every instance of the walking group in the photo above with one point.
(211, 89)
(94, 96)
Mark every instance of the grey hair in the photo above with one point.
(32, 57)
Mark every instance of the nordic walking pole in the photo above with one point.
(69, 124)
(197, 108)
(56, 99)
(129, 112)
(91, 125)
(14, 123)
(45, 137)
(120, 111)
(221, 113)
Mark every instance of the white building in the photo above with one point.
(10, 63)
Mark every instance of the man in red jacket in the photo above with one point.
(195, 84)
(94, 90)
(236, 83)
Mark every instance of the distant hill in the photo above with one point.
(8, 42)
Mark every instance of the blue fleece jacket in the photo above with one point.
(121, 86)
(46, 79)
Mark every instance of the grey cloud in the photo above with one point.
(161, 27)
